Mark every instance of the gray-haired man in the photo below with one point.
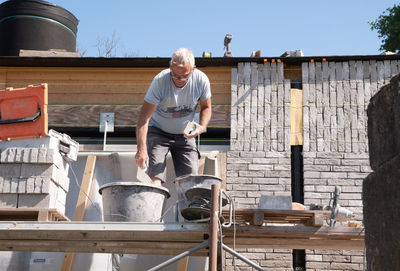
(169, 104)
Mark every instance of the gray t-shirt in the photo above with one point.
(176, 106)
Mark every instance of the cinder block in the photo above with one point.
(7, 185)
(30, 185)
(22, 185)
(8, 200)
(34, 153)
(14, 185)
(45, 186)
(42, 155)
(36, 201)
(10, 170)
(26, 155)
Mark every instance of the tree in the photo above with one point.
(388, 27)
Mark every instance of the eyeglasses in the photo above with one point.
(181, 78)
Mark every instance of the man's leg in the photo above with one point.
(185, 156)
(157, 148)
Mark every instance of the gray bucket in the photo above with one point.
(133, 201)
(193, 181)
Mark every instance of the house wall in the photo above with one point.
(335, 143)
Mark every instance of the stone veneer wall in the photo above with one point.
(335, 147)
(259, 161)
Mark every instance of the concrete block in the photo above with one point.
(10, 170)
(36, 201)
(1, 184)
(26, 155)
(30, 185)
(275, 202)
(14, 185)
(10, 155)
(8, 200)
(34, 155)
(7, 185)
(22, 185)
(55, 140)
(42, 155)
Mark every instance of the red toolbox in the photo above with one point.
(23, 112)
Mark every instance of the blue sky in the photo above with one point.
(156, 28)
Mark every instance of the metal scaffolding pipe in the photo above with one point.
(180, 256)
(234, 253)
(214, 228)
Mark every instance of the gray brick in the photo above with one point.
(237, 167)
(36, 200)
(8, 200)
(30, 185)
(10, 155)
(34, 155)
(329, 155)
(238, 180)
(327, 162)
(22, 186)
(266, 180)
(267, 161)
(261, 167)
(251, 174)
(357, 175)
(26, 155)
(277, 174)
(334, 175)
(18, 155)
(341, 182)
(253, 154)
(238, 161)
(246, 187)
(316, 167)
(272, 187)
(10, 170)
(14, 185)
(42, 155)
(7, 185)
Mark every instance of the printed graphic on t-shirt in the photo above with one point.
(179, 112)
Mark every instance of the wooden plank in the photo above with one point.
(125, 115)
(82, 203)
(183, 264)
(296, 117)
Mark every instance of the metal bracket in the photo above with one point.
(107, 122)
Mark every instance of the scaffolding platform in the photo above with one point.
(167, 239)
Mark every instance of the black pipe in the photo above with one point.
(299, 255)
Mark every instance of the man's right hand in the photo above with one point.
(141, 158)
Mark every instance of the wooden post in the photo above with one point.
(81, 204)
(183, 264)
(214, 228)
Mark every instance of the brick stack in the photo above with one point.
(34, 172)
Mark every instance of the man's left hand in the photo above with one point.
(199, 130)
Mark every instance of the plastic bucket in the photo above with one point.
(193, 181)
(133, 201)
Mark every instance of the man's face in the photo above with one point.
(180, 74)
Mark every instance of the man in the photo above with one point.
(169, 104)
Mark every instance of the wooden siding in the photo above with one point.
(78, 95)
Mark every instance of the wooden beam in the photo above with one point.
(81, 204)
(296, 117)
(183, 264)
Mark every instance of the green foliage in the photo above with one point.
(388, 27)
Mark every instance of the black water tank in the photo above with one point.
(35, 25)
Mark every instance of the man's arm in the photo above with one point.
(141, 133)
(205, 116)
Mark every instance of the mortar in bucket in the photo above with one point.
(133, 201)
(194, 194)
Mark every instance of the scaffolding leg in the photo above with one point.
(212, 264)
(180, 256)
(234, 253)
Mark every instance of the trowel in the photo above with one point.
(141, 175)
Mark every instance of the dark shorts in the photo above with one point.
(185, 155)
